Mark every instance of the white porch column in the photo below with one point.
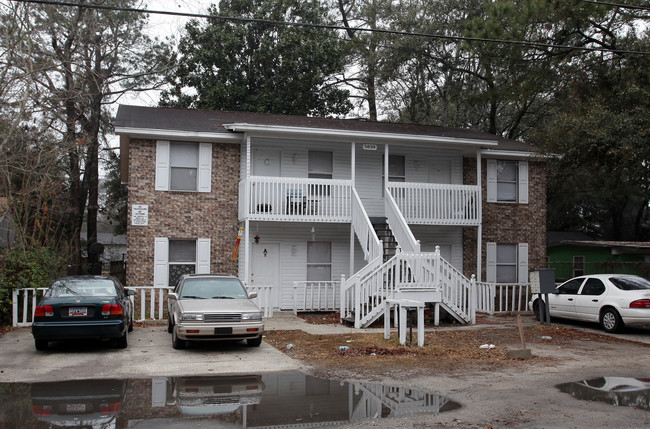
(248, 156)
(247, 252)
(385, 166)
(479, 232)
(353, 169)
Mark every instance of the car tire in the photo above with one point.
(40, 344)
(610, 320)
(123, 341)
(170, 325)
(254, 342)
(177, 343)
(131, 325)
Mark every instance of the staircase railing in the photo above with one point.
(398, 225)
(372, 247)
(458, 292)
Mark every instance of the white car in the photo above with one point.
(613, 300)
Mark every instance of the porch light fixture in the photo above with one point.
(257, 239)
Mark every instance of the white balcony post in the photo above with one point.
(472, 299)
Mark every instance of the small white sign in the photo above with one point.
(140, 215)
(369, 147)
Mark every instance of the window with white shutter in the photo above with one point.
(183, 166)
(173, 258)
(507, 181)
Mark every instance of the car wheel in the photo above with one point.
(610, 320)
(131, 325)
(40, 344)
(123, 341)
(177, 343)
(170, 325)
(254, 342)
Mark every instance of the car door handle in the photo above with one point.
(570, 299)
(594, 300)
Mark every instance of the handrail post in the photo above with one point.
(472, 299)
(295, 305)
(342, 306)
(357, 304)
(14, 304)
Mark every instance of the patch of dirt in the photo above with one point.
(450, 351)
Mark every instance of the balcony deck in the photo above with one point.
(321, 200)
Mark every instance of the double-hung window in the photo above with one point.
(175, 257)
(319, 261)
(507, 263)
(320, 165)
(183, 166)
(507, 181)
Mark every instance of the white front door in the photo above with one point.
(440, 171)
(265, 268)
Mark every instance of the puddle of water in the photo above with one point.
(619, 391)
(276, 399)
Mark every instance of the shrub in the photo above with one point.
(23, 268)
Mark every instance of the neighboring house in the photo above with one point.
(574, 254)
(311, 194)
(7, 228)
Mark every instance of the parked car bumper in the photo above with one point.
(78, 330)
(636, 316)
(212, 331)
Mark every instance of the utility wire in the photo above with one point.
(539, 45)
(622, 6)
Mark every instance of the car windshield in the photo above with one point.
(213, 288)
(630, 283)
(81, 287)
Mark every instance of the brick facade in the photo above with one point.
(509, 223)
(182, 215)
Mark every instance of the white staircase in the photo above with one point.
(409, 274)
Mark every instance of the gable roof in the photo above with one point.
(150, 121)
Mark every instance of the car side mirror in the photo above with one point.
(172, 295)
(252, 295)
(130, 292)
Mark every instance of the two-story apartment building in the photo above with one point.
(336, 211)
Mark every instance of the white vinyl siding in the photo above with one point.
(293, 252)
(507, 181)
(507, 263)
(183, 166)
(194, 254)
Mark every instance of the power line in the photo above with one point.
(622, 6)
(539, 45)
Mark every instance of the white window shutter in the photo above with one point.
(491, 262)
(203, 256)
(161, 259)
(205, 167)
(491, 180)
(162, 165)
(522, 263)
(523, 182)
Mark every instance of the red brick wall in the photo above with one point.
(509, 222)
(182, 215)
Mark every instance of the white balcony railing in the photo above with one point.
(295, 199)
(437, 204)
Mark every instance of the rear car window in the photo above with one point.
(630, 283)
(82, 287)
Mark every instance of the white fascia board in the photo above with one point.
(501, 154)
(179, 135)
(356, 136)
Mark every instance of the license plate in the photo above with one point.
(222, 331)
(76, 408)
(77, 311)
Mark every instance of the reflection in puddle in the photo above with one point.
(620, 391)
(286, 399)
